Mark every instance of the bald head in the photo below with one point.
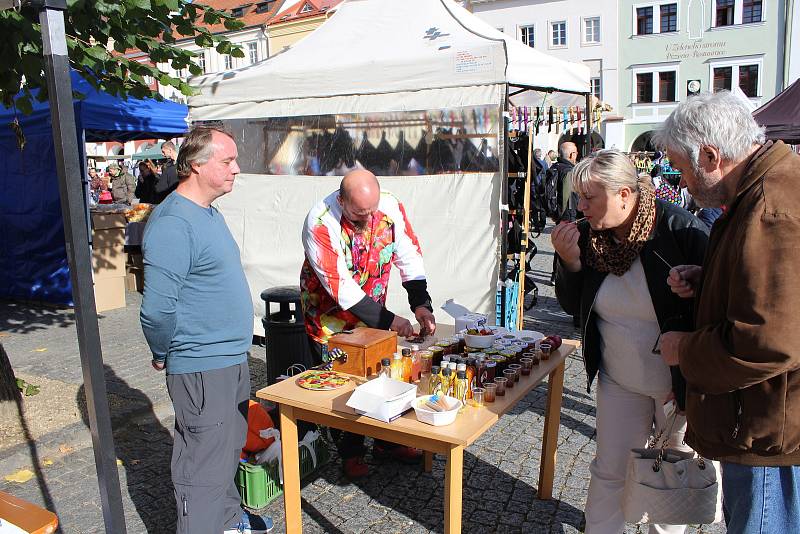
(569, 151)
(359, 196)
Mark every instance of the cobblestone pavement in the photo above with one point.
(500, 469)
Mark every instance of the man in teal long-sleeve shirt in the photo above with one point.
(197, 317)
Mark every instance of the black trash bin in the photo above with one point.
(284, 331)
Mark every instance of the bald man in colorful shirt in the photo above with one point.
(351, 239)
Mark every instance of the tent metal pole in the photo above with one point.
(589, 126)
(504, 210)
(59, 85)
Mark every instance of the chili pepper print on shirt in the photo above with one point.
(338, 272)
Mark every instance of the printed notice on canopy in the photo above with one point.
(466, 61)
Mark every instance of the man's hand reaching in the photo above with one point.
(427, 321)
(402, 326)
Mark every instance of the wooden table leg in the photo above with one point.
(552, 420)
(454, 471)
(291, 469)
(427, 458)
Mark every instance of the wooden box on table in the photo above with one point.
(365, 349)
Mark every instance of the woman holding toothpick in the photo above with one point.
(612, 270)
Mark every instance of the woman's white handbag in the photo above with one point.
(671, 487)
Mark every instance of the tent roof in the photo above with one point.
(781, 115)
(108, 118)
(372, 47)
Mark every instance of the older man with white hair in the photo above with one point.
(742, 361)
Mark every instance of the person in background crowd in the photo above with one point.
(709, 215)
(167, 178)
(608, 274)
(96, 184)
(123, 184)
(351, 239)
(550, 158)
(537, 154)
(741, 362)
(656, 173)
(197, 318)
(146, 187)
(669, 190)
(540, 168)
(566, 198)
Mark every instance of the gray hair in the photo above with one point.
(610, 168)
(719, 119)
(197, 149)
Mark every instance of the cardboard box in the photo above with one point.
(365, 348)
(383, 398)
(108, 237)
(109, 293)
(108, 220)
(134, 280)
(109, 262)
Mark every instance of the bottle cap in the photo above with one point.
(386, 361)
(452, 366)
(491, 364)
(414, 348)
(398, 356)
(461, 367)
(406, 352)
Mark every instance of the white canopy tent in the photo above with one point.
(378, 56)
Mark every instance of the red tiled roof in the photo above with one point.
(249, 15)
(317, 7)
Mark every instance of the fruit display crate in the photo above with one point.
(259, 485)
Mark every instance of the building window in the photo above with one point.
(751, 11)
(725, 9)
(180, 73)
(748, 80)
(559, 31)
(644, 20)
(666, 86)
(237, 12)
(644, 88)
(669, 18)
(228, 62)
(252, 51)
(307, 9)
(722, 78)
(594, 85)
(591, 30)
(526, 35)
(263, 7)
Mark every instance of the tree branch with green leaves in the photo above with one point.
(99, 34)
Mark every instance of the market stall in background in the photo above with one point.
(33, 258)
(424, 106)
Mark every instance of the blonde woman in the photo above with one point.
(612, 272)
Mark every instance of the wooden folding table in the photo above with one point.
(329, 408)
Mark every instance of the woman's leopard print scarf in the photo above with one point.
(607, 255)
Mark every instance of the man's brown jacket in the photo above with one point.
(742, 363)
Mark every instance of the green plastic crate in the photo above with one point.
(259, 485)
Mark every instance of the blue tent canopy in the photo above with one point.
(33, 259)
